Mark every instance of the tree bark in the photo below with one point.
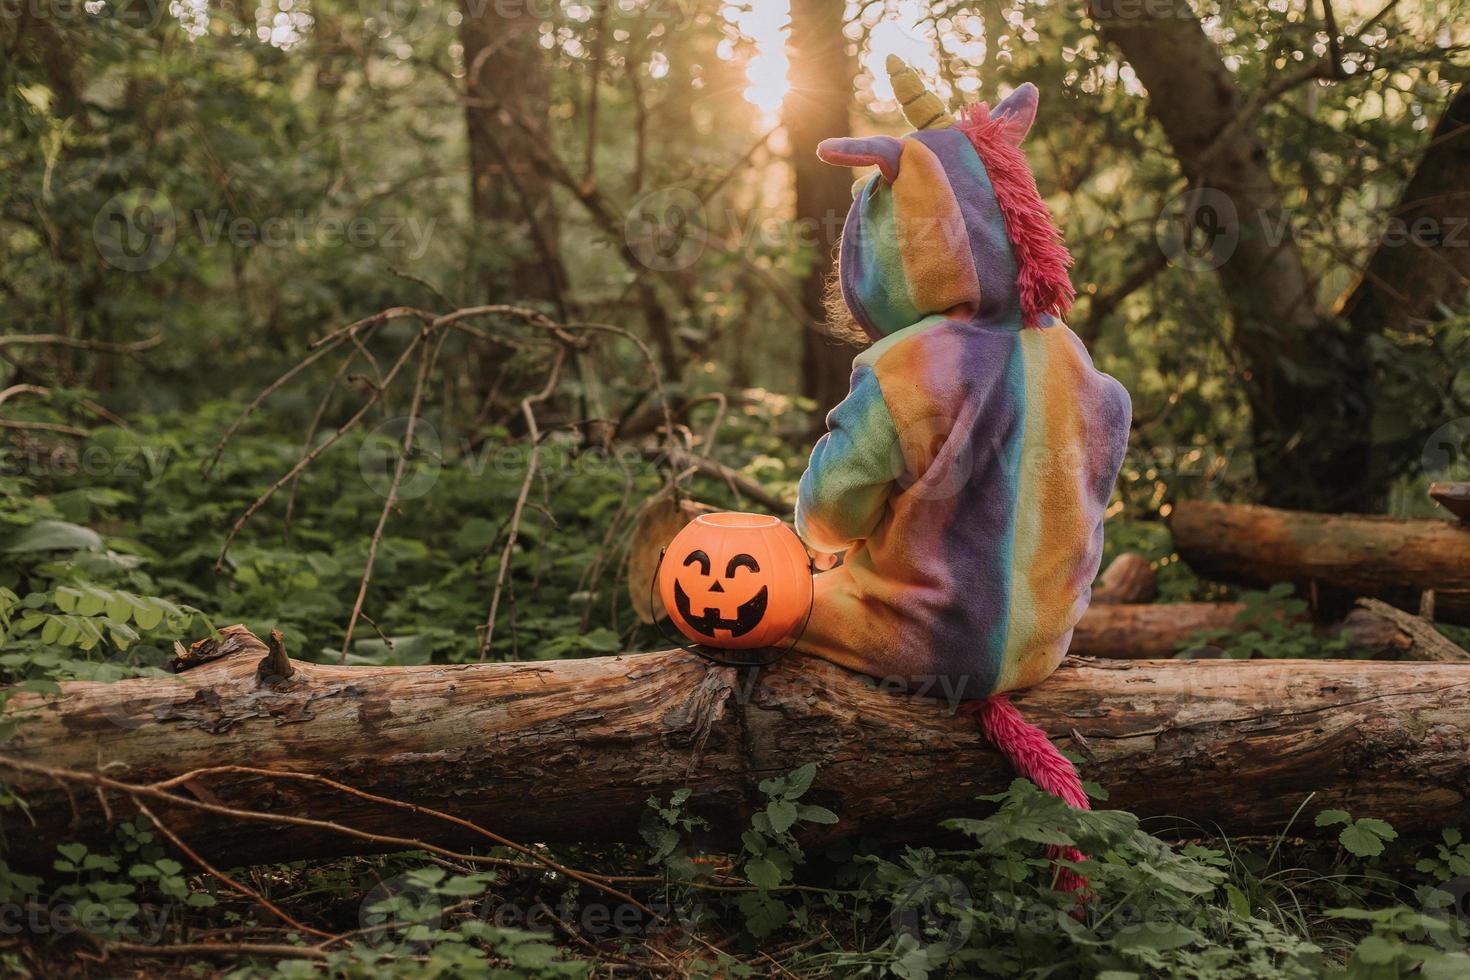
(1307, 386)
(510, 197)
(1134, 631)
(1126, 631)
(572, 750)
(1128, 578)
(1353, 555)
(1453, 497)
(1421, 267)
(1422, 262)
(817, 108)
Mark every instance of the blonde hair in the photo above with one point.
(842, 326)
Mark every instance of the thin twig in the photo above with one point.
(520, 505)
(77, 343)
(310, 456)
(426, 358)
(225, 879)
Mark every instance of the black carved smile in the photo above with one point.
(747, 616)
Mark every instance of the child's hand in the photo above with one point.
(824, 562)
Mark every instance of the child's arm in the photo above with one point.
(852, 469)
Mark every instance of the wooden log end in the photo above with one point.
(1453, 497)
(228, 642)
(1129, 578)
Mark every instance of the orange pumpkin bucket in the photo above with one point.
(736, 581)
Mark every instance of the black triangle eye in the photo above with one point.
(741, 561)
(698, 558)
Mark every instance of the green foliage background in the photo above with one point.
(110, 535)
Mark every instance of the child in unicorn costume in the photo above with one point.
(966, 473)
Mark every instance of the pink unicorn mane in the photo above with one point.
(1042, 259)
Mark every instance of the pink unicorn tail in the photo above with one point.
(1032, 755)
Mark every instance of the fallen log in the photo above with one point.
(1453, 497)
(1146, 631)
(1387, 558)
(572, 750)
(1129, 578)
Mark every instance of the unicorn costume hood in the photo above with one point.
(966, 473)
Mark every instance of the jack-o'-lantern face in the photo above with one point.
(724, 601)
(739, 581)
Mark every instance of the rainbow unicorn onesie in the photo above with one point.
(966, 473)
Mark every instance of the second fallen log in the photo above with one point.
(1390, 559)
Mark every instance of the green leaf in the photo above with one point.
(147, 616)
(1376, 950)
(762, 873)
(55, 536)
(1364, 838)
(1155, 936)
(782, 814)
(811, 813)
(800, 781)
(1329, 817)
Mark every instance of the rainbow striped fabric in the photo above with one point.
(966, 473)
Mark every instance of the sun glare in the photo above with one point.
(899, 30)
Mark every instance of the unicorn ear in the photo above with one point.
(1017, 111)
(867, 151)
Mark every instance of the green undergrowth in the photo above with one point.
(977, 900)
(109, 559)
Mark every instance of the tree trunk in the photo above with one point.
(1347, 554)
(817, 108)
(572, 750)
(1421, 266)
(510, 197)
(1307, 386)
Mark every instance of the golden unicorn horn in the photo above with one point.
(921, 107)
